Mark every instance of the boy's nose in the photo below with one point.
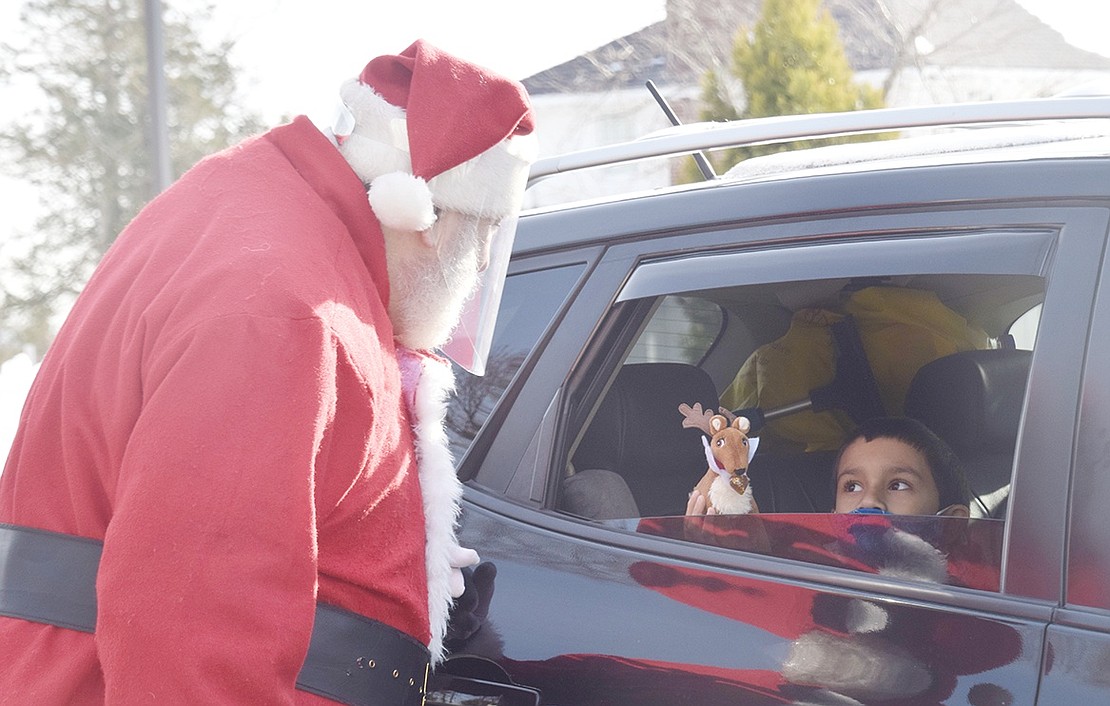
(873, 501)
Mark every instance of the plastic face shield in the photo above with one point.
(470, 342)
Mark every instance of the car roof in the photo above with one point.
(1066, 127)
(1041, 140)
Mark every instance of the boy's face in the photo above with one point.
(886, 474)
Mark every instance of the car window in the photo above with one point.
(946, 550)
(805, 361)
(528, 303)
(1024, 330)
(682, 330)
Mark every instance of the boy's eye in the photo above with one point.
(852, 486)
(899, 485)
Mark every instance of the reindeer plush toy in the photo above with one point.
(728, 450)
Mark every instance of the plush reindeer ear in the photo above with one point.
(717, 423)
(743, 424)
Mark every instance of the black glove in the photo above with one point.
(469, 611)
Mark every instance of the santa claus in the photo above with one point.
(237, 437)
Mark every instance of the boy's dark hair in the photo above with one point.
(948, 474)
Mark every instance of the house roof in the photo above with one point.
(697, 35)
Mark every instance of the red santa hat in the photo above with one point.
(431, 130)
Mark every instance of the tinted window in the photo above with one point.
(682, 330)
(529, 301)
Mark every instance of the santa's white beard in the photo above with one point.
(429, 286)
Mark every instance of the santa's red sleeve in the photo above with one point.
(207, 584)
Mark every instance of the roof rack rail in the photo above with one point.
(695, 137)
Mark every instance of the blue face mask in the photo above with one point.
(878, 511)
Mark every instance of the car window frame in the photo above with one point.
(620, 259)
(474, 466)
(967, 251)
(1087, 531)
(523, 267)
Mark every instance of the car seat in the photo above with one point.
(793, 482)
(637, 435)
(973, 401)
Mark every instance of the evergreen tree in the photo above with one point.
(792, 62)
(85, 148)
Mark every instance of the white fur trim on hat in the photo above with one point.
(402, 201)
(378, 143)
(490, 185)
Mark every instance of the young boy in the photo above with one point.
(897, 465)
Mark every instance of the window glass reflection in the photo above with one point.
(946, 550)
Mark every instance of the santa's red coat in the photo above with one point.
(222, 409)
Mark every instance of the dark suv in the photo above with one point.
(958, 277)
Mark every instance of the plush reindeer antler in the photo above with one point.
(697, 418)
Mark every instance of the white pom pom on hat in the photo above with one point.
(402, 201)
(430, 128)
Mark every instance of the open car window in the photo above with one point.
(806, 361)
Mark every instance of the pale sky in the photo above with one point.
(335, 38)
(294, 54)
(1084, 23)
(297, 52)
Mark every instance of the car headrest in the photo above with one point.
(972, 399)
(637, 432)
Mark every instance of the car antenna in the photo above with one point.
(699, 157)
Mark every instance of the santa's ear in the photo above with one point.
(428, 238)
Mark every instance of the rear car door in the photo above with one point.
(1078, 641)
(640, 610)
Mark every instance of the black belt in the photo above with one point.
(50, 578)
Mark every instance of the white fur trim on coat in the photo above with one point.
(490, 185)
(441, 491)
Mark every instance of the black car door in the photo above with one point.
(643, 611)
